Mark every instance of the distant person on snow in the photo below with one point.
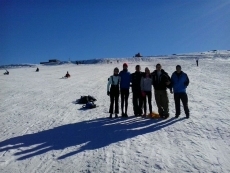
(124, 86)
(114, 92)
(179, 83)
(37, 70)
(6, 73)
(161, 81)
(146, 89)
(67, 75)
(136, 89)
(197, 62)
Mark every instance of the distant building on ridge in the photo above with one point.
(138, 55)
(51, 61)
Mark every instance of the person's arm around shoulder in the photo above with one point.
(171, 85)
(152, 76)
(168, 80)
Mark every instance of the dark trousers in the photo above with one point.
(148, 94)
(137, 102)
(197, 63)
(184, 98)
(114, 96)
(124, 99)
(162, 102)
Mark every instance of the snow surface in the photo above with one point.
(43, 131)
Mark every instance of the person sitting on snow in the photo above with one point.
(67, 74)
(37, 70)
(6, 73)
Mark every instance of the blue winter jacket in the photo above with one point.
(125, 79)
(179, 82)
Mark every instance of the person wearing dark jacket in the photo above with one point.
(136, 89)
(179, 83)
(67, 75)
(6, 73)
(197, 62)
(114, 92)
(124, 87)
(161, 81)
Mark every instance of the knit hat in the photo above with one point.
(125, 64)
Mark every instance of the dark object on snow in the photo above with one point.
(86, 99)
(89, 105)
(6, 73)
(91, 98)
(67, 74)
(37, 70)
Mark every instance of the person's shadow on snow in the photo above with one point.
(86, 135)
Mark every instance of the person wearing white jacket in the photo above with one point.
(146, 89)
(113, 90)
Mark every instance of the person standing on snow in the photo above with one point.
(114, 92)
(179, 83)
(124, 86)
(161, 81)
(136, 89)
(197, 62)
(146, 89)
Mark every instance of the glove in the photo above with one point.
(108, 93)
(143, 94)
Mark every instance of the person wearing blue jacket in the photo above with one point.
(179, 83)
(124, 88)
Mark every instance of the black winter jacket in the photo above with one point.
(136, 81)
(160, 83)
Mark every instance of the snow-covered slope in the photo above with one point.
(42, 130)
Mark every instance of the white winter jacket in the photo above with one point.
(146, 84)
(113, 80)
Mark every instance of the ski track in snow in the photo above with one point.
(42, 130)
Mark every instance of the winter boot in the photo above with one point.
(187, 116)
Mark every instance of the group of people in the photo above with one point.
(142, 83)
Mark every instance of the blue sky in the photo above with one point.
(32, 31)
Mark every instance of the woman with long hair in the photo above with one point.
(146, 89)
